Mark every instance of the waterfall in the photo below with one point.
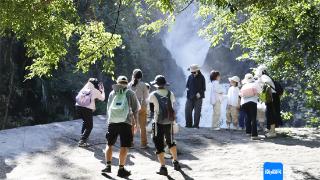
(186, 47)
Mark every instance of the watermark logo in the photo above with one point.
(272, 171)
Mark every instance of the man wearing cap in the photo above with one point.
(162, 126)
(121, 99)
(196, 86)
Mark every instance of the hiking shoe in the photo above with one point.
(176, 165)
(123, 173)
(163, 171)
(271, 135)
(82, 143)
(107, 169)
(255, 138)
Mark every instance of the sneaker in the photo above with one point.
(107, 169)
(163, 171)
(123, 173)
(196, 127)
(82, 143)
(255, 138)
(271, 135)
(216, 129)
(176, 165)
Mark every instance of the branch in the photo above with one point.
(113, 32)
(183, 9)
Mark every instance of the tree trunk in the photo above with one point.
(11, 83)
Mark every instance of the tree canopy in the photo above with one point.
(49, 27)
(282, 34)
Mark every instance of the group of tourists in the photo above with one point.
(256, 97)
(130, 105)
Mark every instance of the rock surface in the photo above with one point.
(50, 152)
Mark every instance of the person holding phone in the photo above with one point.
(85, 105)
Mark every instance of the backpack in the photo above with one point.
(166, 111)
(119, 107)
(266, 94)
(248, 91)
(84, 97)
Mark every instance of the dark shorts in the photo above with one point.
(160, 134)
(119, 129)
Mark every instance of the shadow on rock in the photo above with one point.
(306, 175)
(284, 139)
(5, 168)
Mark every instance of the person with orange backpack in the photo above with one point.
(163, 115)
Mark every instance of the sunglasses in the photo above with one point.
(193, 72)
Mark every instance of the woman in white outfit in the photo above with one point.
(216, 98)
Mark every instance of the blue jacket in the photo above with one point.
(196, 85)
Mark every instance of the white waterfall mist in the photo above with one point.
(186, 48)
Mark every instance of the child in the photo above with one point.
(233, 102)
(261, 115)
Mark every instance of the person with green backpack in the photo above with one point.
(122, 112)
(163, 115)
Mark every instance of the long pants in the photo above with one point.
(232, 115)
(216, 115)
(242, 118)
(196, 105)
(86, 115)
(143, 124)
(251, 124)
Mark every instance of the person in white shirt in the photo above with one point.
(233, 102)
(96, 90)
(249, 99)
(161, 112)
(216, 97)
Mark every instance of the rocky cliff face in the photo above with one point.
(222, 59)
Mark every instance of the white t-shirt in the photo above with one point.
(233, 96)
(153, 99)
